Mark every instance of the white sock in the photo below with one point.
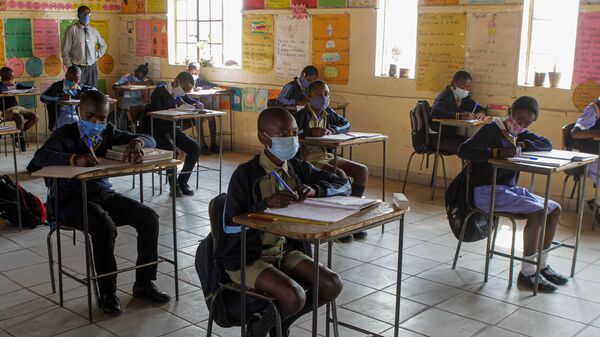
(544, 261)
(527, 269)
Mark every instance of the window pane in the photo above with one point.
(181, 10)
(192, 52)
(217, 53)
(204, 10)
(181, 52)
(192, 32)
(181, 30)
(215, 9)
(204, 31)
(232, 34)
(192, 9)
(216, 34)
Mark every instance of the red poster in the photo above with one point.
(254, 4)
(159, 38)
(308, 3)
(143, 32)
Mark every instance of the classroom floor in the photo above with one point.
(436, 300)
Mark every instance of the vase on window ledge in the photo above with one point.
(539, 79)
(554, 78)
(393, 70)
(404, 72)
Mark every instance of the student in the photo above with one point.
(133, 98)
(586, 128)
(501, 139)
(201, 83)
(59, 115)
(317, 119)
(169, 96)
(275, 264)
(295, 93)
(24, 119)
(72, 145)
(454, 103)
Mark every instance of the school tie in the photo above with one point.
(278, 185)
(88, 55)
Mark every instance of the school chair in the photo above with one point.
(568, 144)
(423, 140)
(135, 115)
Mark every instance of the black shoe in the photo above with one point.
(544, 285)
(22, 143)
(178, 192)
(554, 277)
(360, 235)
(205, 150)
(185, 189)
(150, 291)
(345, 239)
(215, 149)
(110, 304)
(261, 324)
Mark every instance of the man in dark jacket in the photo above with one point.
(78, 144)
(295, 92)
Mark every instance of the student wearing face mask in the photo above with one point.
(201, 83)
(295, 93)
(501, 139)
(317, 119)
(169, 96)
(454, 103)
(80, 144)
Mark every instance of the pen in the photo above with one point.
(268, 218)
(89, 143)
(475, 108)
(278, 178)
(527, 157)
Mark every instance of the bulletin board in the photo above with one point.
(331, 47)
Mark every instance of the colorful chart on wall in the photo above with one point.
(307, 3)
(128, 7)
(277, 4)
(441, 49)
(439, 2)
(363, 3)
(62, 26)
(585, 93)
(331, 47)
(332, 3)
(157, 6)
(160, 45)
(143, 39)
(274, 93)
(101, 85)
(2, 57)
(34, 67)
(587, 50)
(45, 37)
(53, 65)
(292, 46)
(224, 101)
(16, 64)
(17, 36)
(63, 5)
(491, 57)
(254, 4)
(236, 98)
(257, 43)
(102, 27)
(106, 64)
(261, 97)
(249, 100)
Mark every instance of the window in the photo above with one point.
(396, 36)
(208, 30)
(548, 40)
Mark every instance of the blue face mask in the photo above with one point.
(69, 84)
(84, 19)
(91, 130)
(284, 148)
(319, 103)
(304, 82)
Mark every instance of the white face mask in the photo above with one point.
(195, 77)
(460, 93)
(178, 92)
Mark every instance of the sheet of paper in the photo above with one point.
(153, 66)
(277, 4)
(585, 93)
(157, 6)
(2, 52)
(333, 138)
(342, 202)
(542, 161)
(331, 47)
(311, 212)
(18, 38)
(62, 26)
(292, 46)
(587, 49)
(257, 43)
(72, 171)
(254, 4)
(560, 154)
(143, 38)
(332, 3)
(103, 29)
(45, 37)
(363, 134)
(159, 37)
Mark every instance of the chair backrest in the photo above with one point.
(567, 139)
(135, 114)
(419, 123)
(216, 209)
(272, 102)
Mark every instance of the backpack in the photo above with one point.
(458, 208)
(33, 211)
(419, 122)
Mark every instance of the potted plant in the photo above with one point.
(539, 79)
(396, 52)
(205, 58)
(554, 77)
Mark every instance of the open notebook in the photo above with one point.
(72, 171)
(561, 154)
(332, 209)
(543, 161)
(345, 136)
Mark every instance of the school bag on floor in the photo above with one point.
(33, 211)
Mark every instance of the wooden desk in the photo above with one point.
(216, 92)
(121, 89)
(75, 102)
(548, 172)
(174, 116)
(13, 132)
(469, 124)
(35, 92)
(113, 171)
(370, 217)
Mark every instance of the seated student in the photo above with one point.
(317, 119)
(586, 128)
(454, 103)
(24, 119)
(59, 115)
(200, 83)
(74, 144)
(169, 96)
(275, 264)
(133, 98)
(295, 93)
(502, 139)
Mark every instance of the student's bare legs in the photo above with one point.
(337, 171)
(31, 120)
(360, 174)
(288, 292)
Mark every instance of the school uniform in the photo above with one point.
(130, 98)
(59, 115)
(589, 120)
(485, 145)
(250, 185)
(447, 106)
(10, 104)
(163, 98)
(292, 93)
(327, 119)
(107, 209)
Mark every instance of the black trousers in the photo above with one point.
(106, 211)
(89, 75)
(186, 144)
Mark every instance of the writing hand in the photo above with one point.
(281, 199)
(134, 152)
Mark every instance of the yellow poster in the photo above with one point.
(102, 27)
(331, 47)
(106, 64)
(278, 4)
(157, 6)
(257, 43)
(53, 65)
(441, 42)
(585, 93)
(440, 2)
(2, 57)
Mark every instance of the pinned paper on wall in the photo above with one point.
(236, 99)
(249, 99)
(45, 37)
(2, 57)
(254, 4)
(332, 3)
(127, 46)
(277, 4)
(102, 27)
(587, 49)
(225, 100)
(16, 64)
(52, 65)
(153, 66)
(157, 6)
(441, 49)
(62, 26)
(307, 3)
(257, 43)
(106, 64)
(363, 3)
(331, 47)
(143, 39)
(261, 98)
(160, 44)
(274, 93)
(17, 36)
(585, 93)
(34, 66)
(129, 7)
(440, 2)
(491, 57)
(292, 46)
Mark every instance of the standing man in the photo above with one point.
(82, 46)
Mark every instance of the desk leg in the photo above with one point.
(542, 236)
(174, 213)
(220, 153)
(328, 306)
(58, 242)
(159, 171)
(35, 111)
(243, 281)
(88, 256)
(198, 128)
(141, 187)
(315, 313)
(596, 188)
(488, 252)
(14, 138)
(20, 220)
(174, 177)
(399, 276)
(230, 124)
(580, 203)
(435, 162)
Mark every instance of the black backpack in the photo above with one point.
(33, 211)
(419, 122)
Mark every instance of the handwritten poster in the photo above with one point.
(62, 26)
(153, 67)
(363, 3)
(492, 58)
(441, 49)
(257, 43)
(2, 57)
(16, 64)
(307, 3)
(45, 37)
(129, 7)
(587, 50)
(160, 44)
(585, 93)
(292, 46)
(274, 93)
(277, 4)
(439, 2)
(157, 6)
(53, 65)
(332, 3)
(101, 85)
(143, 39)
(34, 67)
(249, 97)
(331, 47)
(236, 99)
(102, 27)
(254, 4)
(127, 46)
(17, 36)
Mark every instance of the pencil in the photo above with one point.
(266, 217)
(89, 142)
